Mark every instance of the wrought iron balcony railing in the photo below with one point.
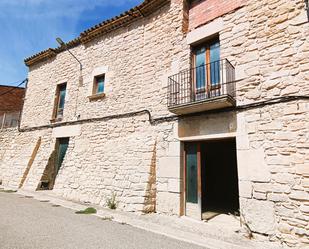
(202, 83)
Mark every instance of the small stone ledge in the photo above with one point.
(55, 120)
(96, 96)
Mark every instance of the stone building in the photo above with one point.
(179, 107)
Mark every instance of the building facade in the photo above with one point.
(178, 107)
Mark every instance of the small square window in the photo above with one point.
(99, 83)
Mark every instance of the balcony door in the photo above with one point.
(206, 63)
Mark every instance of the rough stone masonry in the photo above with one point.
(140, 161)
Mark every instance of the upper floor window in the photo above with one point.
(206, 64)
(59, 101)
(99, 83)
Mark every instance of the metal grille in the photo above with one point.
(201, 83)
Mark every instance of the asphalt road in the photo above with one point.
(28, 223)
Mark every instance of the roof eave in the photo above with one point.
(145, 8)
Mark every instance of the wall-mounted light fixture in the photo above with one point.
(80, 79)
(62, 44)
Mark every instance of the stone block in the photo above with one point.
(174, 185)
(245, 189)
(284, 178)
(169, 167)
(277, 197)
(302, 169)
(259, 196)
(299, 195)
(304, 209)
(67, 131)
(168, 203)
(260, 215)
(173, 149)
(252, 166)
(271, 187)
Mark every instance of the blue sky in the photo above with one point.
(29, 26)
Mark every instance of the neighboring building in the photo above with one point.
(182, 108)
(11, 103)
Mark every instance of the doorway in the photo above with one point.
(54, 163)
(211, 178)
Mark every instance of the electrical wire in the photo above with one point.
(14, 87)
(154, 121)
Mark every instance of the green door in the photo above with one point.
(191, 172)
(63, 144)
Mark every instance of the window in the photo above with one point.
(206, 63)
(59, 101)
(99, 82)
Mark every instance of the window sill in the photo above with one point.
(96, 96)
(55, 120)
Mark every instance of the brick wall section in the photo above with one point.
(12, 101)
(203, 11)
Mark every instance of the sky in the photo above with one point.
(30, 26)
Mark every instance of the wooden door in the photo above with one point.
(192, 180)
(62, 145)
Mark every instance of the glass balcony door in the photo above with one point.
(207, 68)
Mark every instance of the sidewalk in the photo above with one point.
(223, 231)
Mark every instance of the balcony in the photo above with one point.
(207, 87)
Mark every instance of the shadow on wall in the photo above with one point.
(151, 190)
(48, 178)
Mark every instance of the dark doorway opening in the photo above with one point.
(54, 163)
(219, 177)
(210, 178)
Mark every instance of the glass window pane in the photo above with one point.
(61, 98)
(215, 63)
(191, 172)
(200, 68)
(100, 84)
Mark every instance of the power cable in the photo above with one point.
(14, 87)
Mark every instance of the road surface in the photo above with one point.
(28, 223)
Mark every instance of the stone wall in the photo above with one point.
(266, 41)
(117, 155)
(16, 151)
(136, 59)
(7, 138)
(273, 170)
